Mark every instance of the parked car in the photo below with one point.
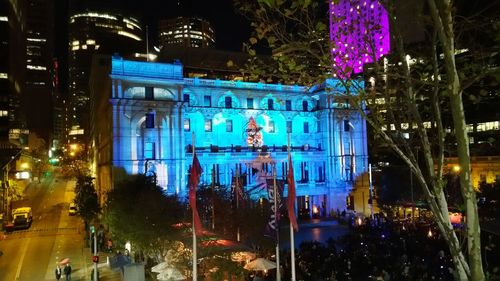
(72, 209)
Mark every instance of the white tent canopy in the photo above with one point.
(260, 264)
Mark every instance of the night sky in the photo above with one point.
(231, 28)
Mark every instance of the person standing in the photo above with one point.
(67, 272)
(58, 272)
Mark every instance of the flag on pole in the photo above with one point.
(237, 185)
(291, 196)
(194, 180)
(272, 226)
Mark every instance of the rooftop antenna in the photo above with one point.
(147, 44)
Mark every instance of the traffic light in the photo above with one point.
(95, 259)
(92, 229)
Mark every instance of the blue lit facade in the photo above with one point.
(148, 112)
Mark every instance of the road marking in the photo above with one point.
(25, 247)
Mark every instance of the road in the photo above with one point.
(32, 254)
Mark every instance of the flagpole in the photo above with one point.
(278, 273)
(213, 198)
(371, 187)
(237, 204)
(292, 236)
(195, 265)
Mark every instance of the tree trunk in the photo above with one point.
(443, 21)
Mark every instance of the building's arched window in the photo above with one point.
(346, 125)
(228, 102)
(270, 104)
(305, 104)
(150, 120)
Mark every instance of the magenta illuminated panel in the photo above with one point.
(359, 32)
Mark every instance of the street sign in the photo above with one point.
(95, 259)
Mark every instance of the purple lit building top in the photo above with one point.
(359, 32)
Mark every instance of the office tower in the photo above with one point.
(186, 32)
(12, 70)
(94, 29)
(37, 95)
(4, 69)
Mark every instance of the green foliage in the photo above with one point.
(225, 267)
(75, 169)
(250, 216)
(16, 191)
(86, 198)
(140, 212)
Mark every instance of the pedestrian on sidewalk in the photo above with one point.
(58, 272)
(67, 272)
(109, 246)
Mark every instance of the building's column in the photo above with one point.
(172, 119)
(119, 92)
(229, 166)
(179, 149)
(331, 149)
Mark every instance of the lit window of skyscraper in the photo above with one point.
(359, 31)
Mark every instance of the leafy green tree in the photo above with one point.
(413, 94)
(215, 208)
(86, 199)
(249, 217)
(75, 169)
(139, 212)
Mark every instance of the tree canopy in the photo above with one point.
(139, 212)
(86, 199)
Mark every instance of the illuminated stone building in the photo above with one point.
(94, 30)
(189, 32)
(144, 115)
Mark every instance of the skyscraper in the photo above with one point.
(94, 29)
(12, 72)
(37, 96)
(186, 32)
(4, 69)
(359, 32)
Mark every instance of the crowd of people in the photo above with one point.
(381, 251)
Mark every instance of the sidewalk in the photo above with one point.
(82, 258)
(105, 272)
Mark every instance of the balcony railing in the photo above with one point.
(239, 148)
